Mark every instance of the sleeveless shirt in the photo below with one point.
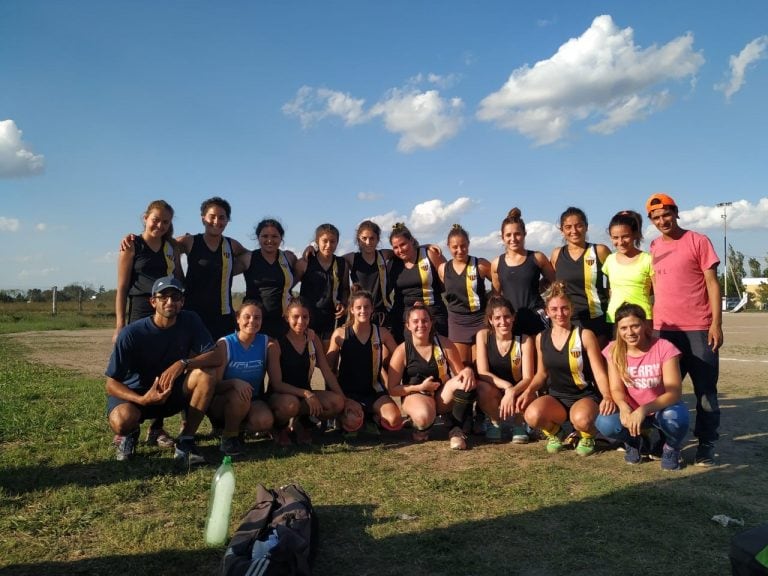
(584, 281)
(360, 363)
(247, 364)
(465, 292)
(508, 367)
(569, 369)
(209, 278)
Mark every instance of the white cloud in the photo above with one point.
(106, 258)
(9, 224)
(600, 76)
(742, 215)
(490, 243)
(314, 104)
(16, 157)
(751, 53)
(423, 119)
(368, 196)
(428, 220)
(41, 226)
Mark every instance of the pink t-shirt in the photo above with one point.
(680, 292)
(646, 371)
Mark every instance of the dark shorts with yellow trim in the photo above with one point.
(366, 400)
(568, 399)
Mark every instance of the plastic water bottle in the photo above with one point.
(220, 508)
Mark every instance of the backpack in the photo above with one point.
(278, 536)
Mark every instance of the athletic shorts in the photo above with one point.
(463, 327)
(175, 403)
(367, 400)
(568, 400)
(597, 325)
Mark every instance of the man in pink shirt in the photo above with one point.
(686, 311)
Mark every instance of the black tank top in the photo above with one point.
(417, 369)
(295, 366)
(149, 265)
(417, 284)
(508, 367)
(520, 284)
(584, 282)
(465, 292)
(360, 363)
(369, 278)
(569, 369)
(323, 288)
(209, 278)
(268, 283)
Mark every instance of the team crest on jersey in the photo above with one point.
(576, 353)
(473, 277)
(424, 266)
(590, 262)
(516, 361)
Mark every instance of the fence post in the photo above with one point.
(53, 298)
(80, 301)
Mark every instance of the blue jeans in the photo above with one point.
(703, 366)
(672, 421)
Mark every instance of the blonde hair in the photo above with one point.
(619, 352)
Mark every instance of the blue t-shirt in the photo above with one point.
(247, 364)
(143, 350)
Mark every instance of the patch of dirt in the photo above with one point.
(86, 351)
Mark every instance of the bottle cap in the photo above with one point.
(227, 460)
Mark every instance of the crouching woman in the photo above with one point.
(646, 385)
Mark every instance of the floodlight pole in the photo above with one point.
(724, 216)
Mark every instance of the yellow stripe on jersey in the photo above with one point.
(382, 266)
(516, 359)
(590, 282)
(287, 278)
(441, 361)
(170, 263)
(473, 277)
(425, 273)
(576, 358)
(376, 358)
(226, 273)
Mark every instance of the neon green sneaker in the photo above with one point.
(554, 442)
(586, 446)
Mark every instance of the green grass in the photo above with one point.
(67, 507)
(23, 317)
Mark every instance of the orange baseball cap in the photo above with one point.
(659, 200)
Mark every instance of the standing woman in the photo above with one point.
(569, 358)
(427, 372)
(151, 255)
(630, 269)
(368, 269)
(413, 277)
(645, 380)
(358, 353)
(520, 275)
(464, 280)
(239, 397)
(504, 370)
(580, 265)
(292, 400)
(269, 275)
(211, 264)
(324, 283)
(143, 259)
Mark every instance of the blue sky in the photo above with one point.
(425, 112)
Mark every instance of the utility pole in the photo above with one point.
(724, 216)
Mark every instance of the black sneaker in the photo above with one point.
(127, 446)
(232, 446)
(705, 455)
(188, 453)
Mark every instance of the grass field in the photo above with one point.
(389, 507)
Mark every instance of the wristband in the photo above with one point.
(185, 363)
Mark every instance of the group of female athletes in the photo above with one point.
(535, 352)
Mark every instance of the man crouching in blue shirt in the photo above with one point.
(161, 365)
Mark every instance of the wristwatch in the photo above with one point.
(185, 363)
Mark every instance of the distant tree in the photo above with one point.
(6, 296)
(35, 295)
(762, 295)
(735, 273)
(755, 271)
